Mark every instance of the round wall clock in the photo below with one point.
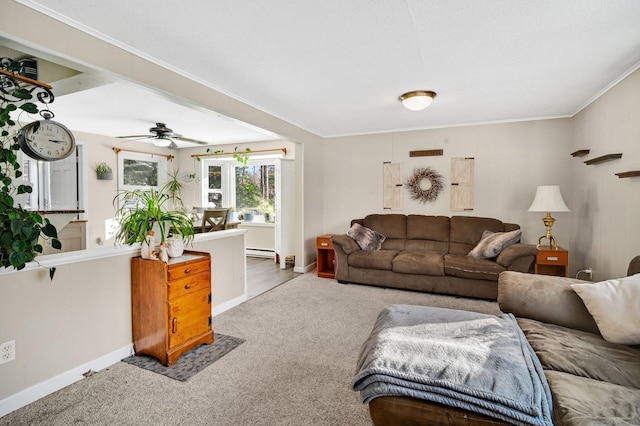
(46, 140)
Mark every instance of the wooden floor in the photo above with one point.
(263, 274)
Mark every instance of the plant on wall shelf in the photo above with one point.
(104, 172)
(22, 231)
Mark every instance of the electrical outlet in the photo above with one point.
(7, 351)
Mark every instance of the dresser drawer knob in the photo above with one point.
(187, 287)
(174, 325)
(553, 258)
(186, 271)
(324, 244)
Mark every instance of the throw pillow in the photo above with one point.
(367, 238)
(492, 243)
(614, 305)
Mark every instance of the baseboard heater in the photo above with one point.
(260, 252)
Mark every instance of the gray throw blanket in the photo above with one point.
(477, 362)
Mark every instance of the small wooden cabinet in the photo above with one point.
(326, 259)
(550, 261)
(171, 305)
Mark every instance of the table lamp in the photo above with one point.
(548, 199)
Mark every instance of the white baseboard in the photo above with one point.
(218, 309)
(60, 381)
(303, 270)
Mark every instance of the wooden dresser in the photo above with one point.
(171, 305)
(326, 258)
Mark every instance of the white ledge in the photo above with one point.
(53, 260)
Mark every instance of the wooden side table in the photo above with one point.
(326, 260)
(550, 261)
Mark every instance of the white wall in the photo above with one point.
(63, 41)
(605, 227)
(511, 160)
(81, 319)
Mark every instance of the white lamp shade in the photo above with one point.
(162, 142)
(548, 199)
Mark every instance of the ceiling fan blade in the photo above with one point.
(134, 136)
(139, 138)
(196, 141)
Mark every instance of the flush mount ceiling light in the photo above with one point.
(418, 99)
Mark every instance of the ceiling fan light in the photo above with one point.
(417, 100)
(162, 142)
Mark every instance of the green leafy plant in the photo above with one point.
(174, 186)
(240, 156)
(103, 168)
(22, 231)
(265, 206)
(139, 211)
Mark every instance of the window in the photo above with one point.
(250, 188)
(255, 188)
(56, 185)
(141, 171)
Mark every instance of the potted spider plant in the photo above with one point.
(140, 212)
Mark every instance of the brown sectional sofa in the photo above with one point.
(429, 253)
(592, 381)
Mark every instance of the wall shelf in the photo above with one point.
(602, 159)
(633, 173)
(580, 153)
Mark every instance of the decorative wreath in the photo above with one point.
(430, 194)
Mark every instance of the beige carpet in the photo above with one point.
(295, 368)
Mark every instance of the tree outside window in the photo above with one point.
(214, 192)
(255, 189)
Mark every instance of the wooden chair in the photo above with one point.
(214, 219)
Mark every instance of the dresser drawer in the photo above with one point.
(189, 317)
(324, 242)
(185, 269)
(191, 283)
(550, 257)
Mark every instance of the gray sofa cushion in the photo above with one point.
(466, 232)
(582, 354)
(492, 243)
(463, 266)
(372, 259)
(419, 262)
(581, 401)
(367, 238)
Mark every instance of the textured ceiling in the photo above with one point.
(336, 67)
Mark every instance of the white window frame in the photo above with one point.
(161, 161)
(228, 176)
(226, 183)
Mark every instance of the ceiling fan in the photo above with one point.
(163, 136)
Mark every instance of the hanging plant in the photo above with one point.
(425, 185)
(21, 231)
